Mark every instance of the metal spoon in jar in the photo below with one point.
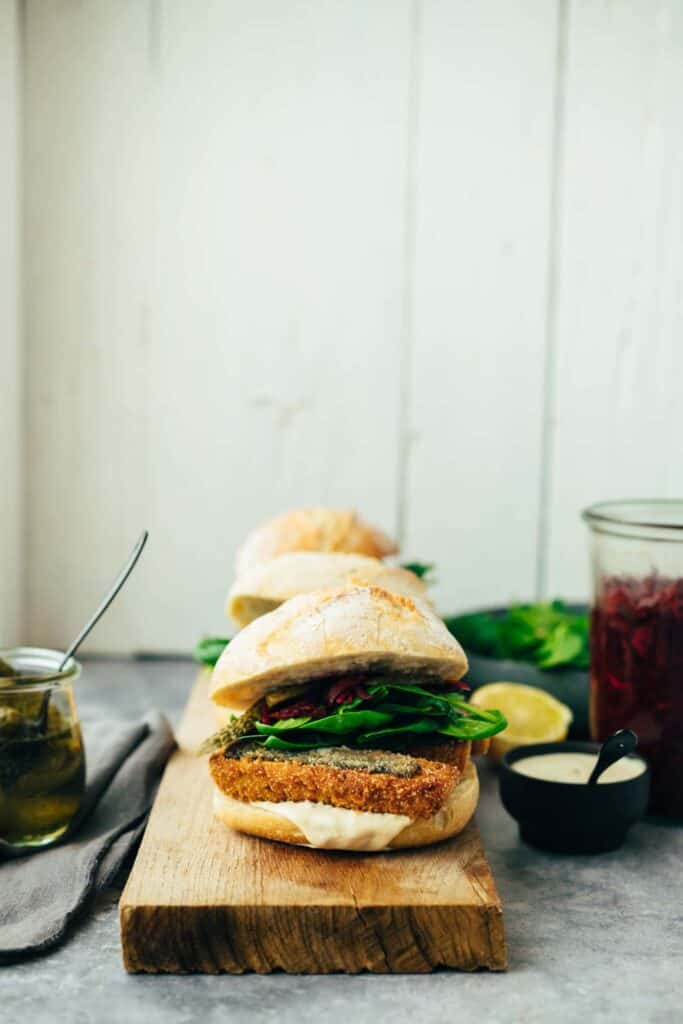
(99, 612)
(94, 619)
(619, 745)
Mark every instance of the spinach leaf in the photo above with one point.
(340, 724)
(284, 725)
(470, 727)
(419, 725)
(423, 570)
(408, 709)
(423, 698)
(310, 743)
(209, 649)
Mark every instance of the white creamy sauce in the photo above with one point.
(337, 828)
(576, 767)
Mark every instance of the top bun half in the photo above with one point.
(332, 632)
(266, 586)
(312, 529)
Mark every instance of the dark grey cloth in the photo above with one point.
(41, 894)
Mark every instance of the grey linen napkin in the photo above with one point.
(41, 894)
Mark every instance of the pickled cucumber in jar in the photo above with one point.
(42, 765)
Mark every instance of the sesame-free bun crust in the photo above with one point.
(450, 819)
(330, 633)
(263, 588)
(312, 529)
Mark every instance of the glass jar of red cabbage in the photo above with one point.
(637, 635)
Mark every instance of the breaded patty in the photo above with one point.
(419, 796)
(455, 752)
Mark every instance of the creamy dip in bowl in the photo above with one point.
(576, 767)
(544, 786)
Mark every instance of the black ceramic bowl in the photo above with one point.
(569, 817)
(569, 685)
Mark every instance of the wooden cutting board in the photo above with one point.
(204, 898)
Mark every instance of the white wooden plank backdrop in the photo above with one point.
(423, 257)
(89, 172)
(619, 364)
(11, 486)
(475, 386)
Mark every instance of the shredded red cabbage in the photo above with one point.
(460, 684)
(343, 691)
(299, 709)
(637, 675)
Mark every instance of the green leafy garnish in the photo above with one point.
(282, 725)
(547, 634)
(209, 649)
(340, 723)
(389, 715)
(474, 729)
(423, 570)
(311, 743)
(420, 698)
(418, 725)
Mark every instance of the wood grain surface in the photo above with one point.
(204, 898)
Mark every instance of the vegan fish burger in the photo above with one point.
(353, 730)
(312, 529)
(262, 589)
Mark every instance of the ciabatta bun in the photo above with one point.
(328, 633)
(263, 588)
(312, 529)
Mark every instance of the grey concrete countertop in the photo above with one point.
(593, 939)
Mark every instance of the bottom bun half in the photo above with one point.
(448, 821)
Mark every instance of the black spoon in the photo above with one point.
(613, 749)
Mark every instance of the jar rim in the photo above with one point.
(646, 518)
(45, 662)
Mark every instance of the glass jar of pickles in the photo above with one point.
(42, 763)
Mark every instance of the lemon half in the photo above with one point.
(533, 716)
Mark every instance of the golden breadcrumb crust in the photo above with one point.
(481, 746)
(455, 752)
(276, 781)
(448, 821)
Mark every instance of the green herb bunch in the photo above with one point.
(547, 634)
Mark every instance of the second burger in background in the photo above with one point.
(263, 588)
(312, 529)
